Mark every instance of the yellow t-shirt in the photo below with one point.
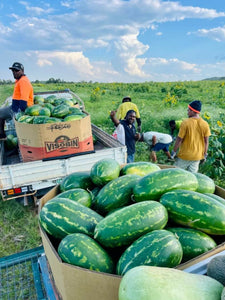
(123, 109)
(193, 131)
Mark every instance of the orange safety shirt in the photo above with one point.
(23, 90)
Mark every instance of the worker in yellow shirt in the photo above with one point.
(192, 140)
(125, 107)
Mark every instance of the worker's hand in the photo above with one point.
(173, 154)
(139, 128)
(112, 113)
(202, 161)
(137, 136)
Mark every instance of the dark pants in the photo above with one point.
(6, 113)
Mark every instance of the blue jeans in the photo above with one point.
(130, 158)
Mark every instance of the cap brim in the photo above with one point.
(14, 69)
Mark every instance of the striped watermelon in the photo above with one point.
(60, 217)
(216, 197)
(76, 180)
(205, 184)
(116, 193)
(160, 283)
(153, 185)
(193, 242)
(141, 168)
(157, 248)
(104, 171)
(195, 210)
(81, 250)
(80, 195)
(125, 225)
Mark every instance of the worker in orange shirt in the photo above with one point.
(22, 96)
(123, 109)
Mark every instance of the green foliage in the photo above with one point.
(95, 95)
(18, 228)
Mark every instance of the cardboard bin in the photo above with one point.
(45, 141)
(74, 282)
(81, 284)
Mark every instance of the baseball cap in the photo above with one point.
(17, 66)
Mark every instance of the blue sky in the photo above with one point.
(113, 41)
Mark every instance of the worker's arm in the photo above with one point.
(113, 118)
(206, 140)
(176, 146)
(153, 140)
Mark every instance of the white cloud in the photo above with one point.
(75, 37)
(75, 60)
(217, 34)
(36, 10)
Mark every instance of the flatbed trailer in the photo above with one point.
(20, 179)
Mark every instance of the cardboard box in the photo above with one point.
(52, 140)
(74, 282)
(77, 283)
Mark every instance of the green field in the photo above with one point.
(158, 103)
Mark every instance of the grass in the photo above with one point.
(19, 224)
(18, 227)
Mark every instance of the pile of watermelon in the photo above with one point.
(50, 110)
(114, 218)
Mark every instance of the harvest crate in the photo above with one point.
(25, 275)
(80, 282)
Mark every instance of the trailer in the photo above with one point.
(32, 179)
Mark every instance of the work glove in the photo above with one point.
(173, 154)
(139, 128)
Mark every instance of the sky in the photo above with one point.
(113, 40)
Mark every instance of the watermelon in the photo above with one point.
(68, 102)
(76, 180)
(60, 217)
(116, 193)
(49, 106)
(33, 110)
(80, 195)
(216, 269)
(81, 250)
(216, 197)
(39, 119)
(11, 141)
(58, 101)
(205, 184)
(18, 115)
(141, 168)
(52, 120)
(44, 111)
(193, 242)
(72, 117)
(26, 119)
(50, 99)
(38, 99)
(104, 171)
(60, 111)
(153, 185)
(160, 283)
(195, 210)
(157, 248)
(125, 225)
(75, 110)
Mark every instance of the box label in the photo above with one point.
(61, 143)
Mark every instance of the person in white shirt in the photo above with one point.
(157, 141)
